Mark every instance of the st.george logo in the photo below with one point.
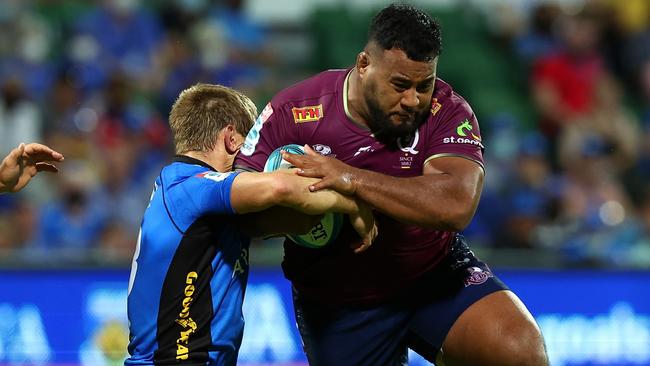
(466, 125)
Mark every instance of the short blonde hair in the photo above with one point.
(202, 110)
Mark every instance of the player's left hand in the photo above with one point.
(364, 224)
(23, 163)
(334, 174)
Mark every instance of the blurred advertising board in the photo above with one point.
(79, 317)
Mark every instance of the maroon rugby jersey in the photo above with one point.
(314, 112)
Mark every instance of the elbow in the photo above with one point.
(459, 212)
(458, 223)
(279, 192)
(455, 219)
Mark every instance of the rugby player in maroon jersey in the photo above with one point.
(393, 134)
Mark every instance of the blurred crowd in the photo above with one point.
(578, 182)
(95, 80)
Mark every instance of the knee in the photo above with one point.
(524, 348)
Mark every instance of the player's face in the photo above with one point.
(397, 91)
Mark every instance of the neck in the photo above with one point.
(355, 105)
(221, 162)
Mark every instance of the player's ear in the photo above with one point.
(362, 62)
(231, 141)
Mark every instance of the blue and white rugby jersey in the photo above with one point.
(189, 271)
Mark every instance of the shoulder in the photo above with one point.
(321, 85)
(192, 176)
(446, 102)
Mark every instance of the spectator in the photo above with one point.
(20, 119)
(119, 36)
(540, 39)
(71, 225)
(607, 122)
(531, 194)
(563, 84)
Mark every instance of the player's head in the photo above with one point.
(202, 111)
(397, 69)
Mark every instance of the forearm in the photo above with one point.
(275, 221)
(434, 201)
(316, 203)
(286, 204)
(4, 181)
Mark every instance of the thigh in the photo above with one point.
(496, 330)
(346, 336)
(460, 281)
(471, 318)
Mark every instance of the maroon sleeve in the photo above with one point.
(456, 134)
(268, 133)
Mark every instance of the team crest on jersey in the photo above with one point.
(477, 276)
(307, 114)
(215, 176)
(322, 149)
(408, 144)
(435, 106)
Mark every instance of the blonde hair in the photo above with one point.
(202, 110)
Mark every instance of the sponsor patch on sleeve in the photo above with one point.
(464, 135)
(215, 176)
(307, 114)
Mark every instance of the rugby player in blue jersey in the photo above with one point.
(408, 144)
(190, 266)
(23, 163)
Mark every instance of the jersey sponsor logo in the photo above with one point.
(322, 149)
(253, 136)
(466, 125)
(241, 265)
(465, 135)
(215, 176)
(477, 276)
(184, 319)
(435, 106)
(307, 114)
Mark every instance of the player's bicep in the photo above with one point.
(461, 172)
(209, 193)
(252, 192)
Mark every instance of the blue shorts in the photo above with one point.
(381, 335)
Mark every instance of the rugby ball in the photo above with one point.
(329, 227)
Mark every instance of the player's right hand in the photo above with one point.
(333, 173)
(23, 163)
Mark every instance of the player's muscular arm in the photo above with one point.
(253, 192)
(277, 220)
(444, 197)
